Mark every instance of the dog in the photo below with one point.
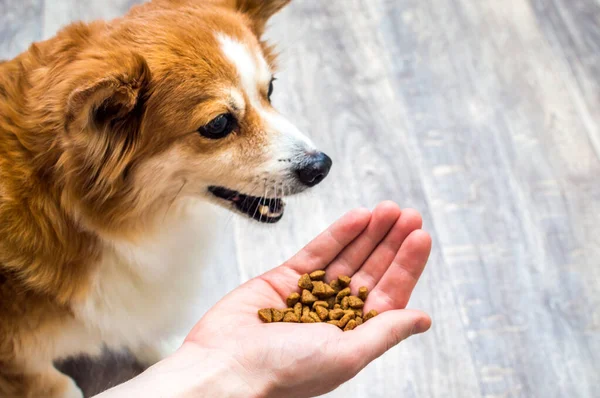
(117, 140)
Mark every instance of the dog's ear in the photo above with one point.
(104, 116)
(259, 11)
(106, 99)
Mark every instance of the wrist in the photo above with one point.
(193, 371)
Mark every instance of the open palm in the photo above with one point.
(385, 251)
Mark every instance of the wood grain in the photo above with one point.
(484, 116)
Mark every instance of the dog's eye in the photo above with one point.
(219, 127)
(270, 89)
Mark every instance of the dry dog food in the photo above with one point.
(318, 301)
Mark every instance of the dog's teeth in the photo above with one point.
(276, 214)
(264, 210)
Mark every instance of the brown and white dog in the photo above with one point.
(114, 137)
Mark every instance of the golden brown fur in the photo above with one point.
(80, 116)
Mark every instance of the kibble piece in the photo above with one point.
(337, 307)
(355, 302)
(287, 310)
(318, 288)
(359, 312)
(322, 313)
(293, 299)
(305, 311)
(317, 275)
(331, 302)
(305, 282)
(335, 285)
(350, 325)
(345, 304)
(336, 323)
(307, 297)
(370, 315)
(277, 315)
(323, 304)
(290, 317)
(350, 313)
(344, 281)
(345, 319)
(265, 315)
(314, 316)
(307, 319)
(336, 314)
(329, 292)
(359, 321)
(363, 292)
(298, 310)
(343, 293)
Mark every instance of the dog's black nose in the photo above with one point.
(314, 169)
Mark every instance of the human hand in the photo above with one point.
(386, 251)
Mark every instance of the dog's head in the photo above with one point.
(175, 100)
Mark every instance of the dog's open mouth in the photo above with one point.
(265, 210)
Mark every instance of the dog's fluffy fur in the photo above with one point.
(103, 176)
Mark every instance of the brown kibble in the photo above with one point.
(265, 315)
(323, 304)
(307, 297)
(293, 299)
(317, 275)
(331, 302)
(350, 325)
(344, 281)
(363, 292)
(277, 315)
(345, 319)
(370, 315)
(307, 319)
(355, 302)
(345, 304)
(298, 310)
(290, 317)
(329, 292)
(343, 293)
(318, 288)
(305, 282)
(335, 285)
(336, 314)
(314, 316)
(322, 313)
(305, 311)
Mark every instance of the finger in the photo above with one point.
(354, 255)
(395, 287)
(379, 261)
(376, 336)
(319, 252)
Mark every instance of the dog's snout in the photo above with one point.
(314, 169)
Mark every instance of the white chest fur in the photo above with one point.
(145, 292)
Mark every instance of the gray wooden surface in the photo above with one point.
(485, 116)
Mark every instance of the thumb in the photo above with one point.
(373, 338)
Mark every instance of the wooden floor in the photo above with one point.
(485, 116)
